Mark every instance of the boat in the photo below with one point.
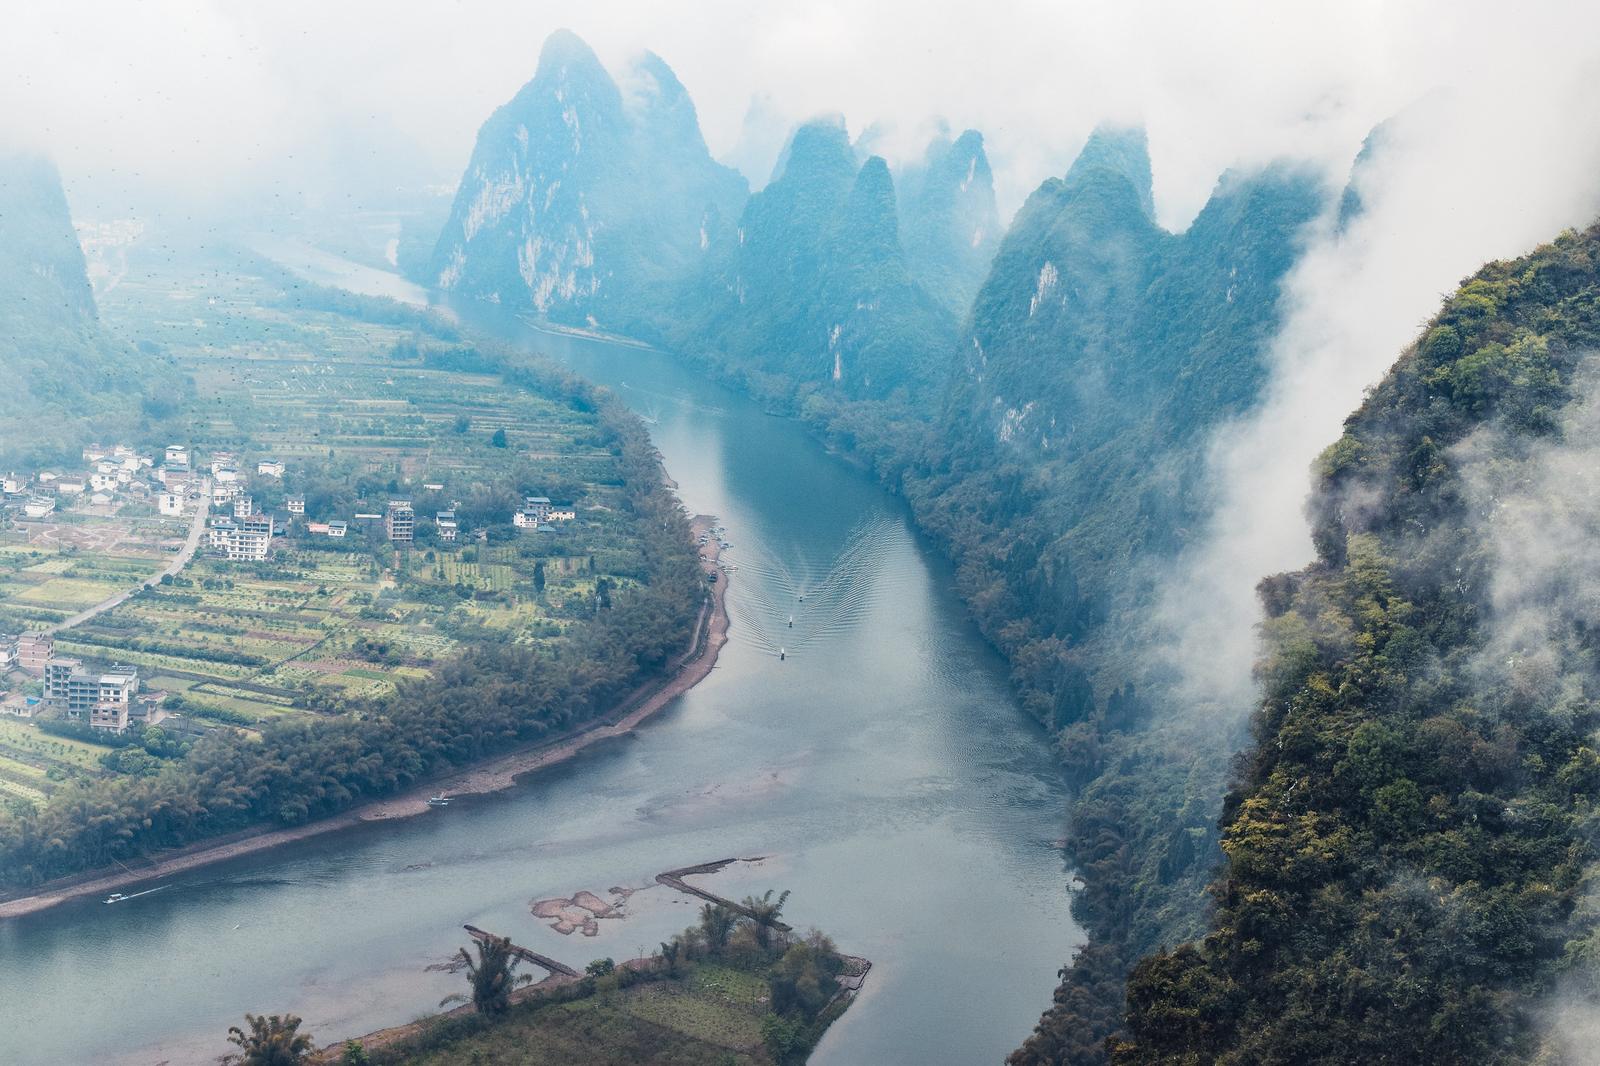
(791, 621)
(115, 897)
(438, 800)
(783, 653)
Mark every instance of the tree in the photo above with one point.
(354, 1054)
(670, 950)
(498, 440)
(273, 1040)
(764, 912)
(491, 977)
(717, 922)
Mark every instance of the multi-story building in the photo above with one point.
(58, 675)
(170, 503)
(400, 522)
(445, 524)
(8, 652)
(561, 512)
(241, 539)
(295, 504)
(244, 507)
(270, 467)
(33, 651)
(536, 507)
(103, 698)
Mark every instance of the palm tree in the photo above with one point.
(764, 911)
(717, 922)
(492, 976)
(273, 1040)
(670, 950)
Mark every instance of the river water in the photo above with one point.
(881, 767)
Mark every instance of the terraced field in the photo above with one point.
(360, 413)
(53, 568)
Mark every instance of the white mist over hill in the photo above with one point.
(1464, 178)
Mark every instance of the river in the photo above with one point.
(881, 766)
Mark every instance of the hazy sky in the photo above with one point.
(202, 94)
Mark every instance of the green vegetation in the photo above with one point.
(359, 668)
(491, 975)
(812, 295)
(735, 989)
(63, 373)
(1410, 844)
(271, 1041)
(51, 569)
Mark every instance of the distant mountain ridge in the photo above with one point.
(951, 226)
(812, 292)
(582, 204)
(592, 201)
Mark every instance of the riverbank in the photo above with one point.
(492, 775)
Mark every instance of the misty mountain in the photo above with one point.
(811, 294)
(584, 202)
(949, 222)
(60, 366)
(1101, 351)
(1410, 845)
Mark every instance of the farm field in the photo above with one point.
(51, 568)
(360, 413)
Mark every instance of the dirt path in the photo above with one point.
(491, 775)
(185, 555)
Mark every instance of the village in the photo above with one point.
(226, 520)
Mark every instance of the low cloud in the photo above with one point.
(1458, 180)
(212, 96)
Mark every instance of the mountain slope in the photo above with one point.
(810, 296)
(584, 204)
(1410, 845)
(949, 222)
(1100, 352)
(66, 379)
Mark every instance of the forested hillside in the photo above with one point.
(811, 295)
(1410, 844)
(60, 367)
(950, 225)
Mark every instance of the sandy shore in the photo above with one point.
(491, 775)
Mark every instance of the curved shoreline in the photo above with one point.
(491, 775)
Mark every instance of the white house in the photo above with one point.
(170, 503)
(38, 506)
(270, 467)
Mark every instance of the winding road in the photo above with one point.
(197, 529)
